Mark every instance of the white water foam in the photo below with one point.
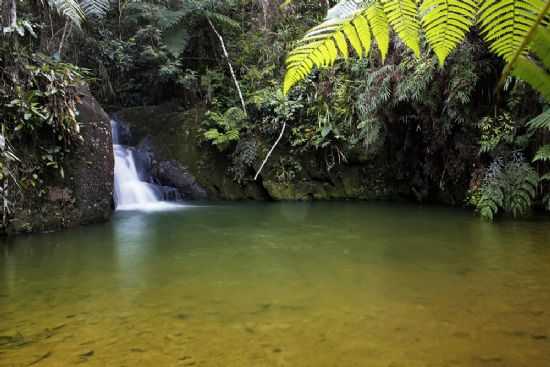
(131, 193)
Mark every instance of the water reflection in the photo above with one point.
(280, 285)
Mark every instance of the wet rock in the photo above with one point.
(172, 173)
(84, 194)
(174, 138)
(60, 194)
(87, 354)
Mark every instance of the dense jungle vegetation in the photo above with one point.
(436, 126)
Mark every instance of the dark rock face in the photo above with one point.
(85, 195)
(172, 173)
(93, 163)
(170, 138)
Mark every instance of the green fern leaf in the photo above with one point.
(542, 121)
(380, 27)
(323, 44)
(543, 154)
(402, 15)
(446, 23)
(540, 46)
(506, 23)
(97, 8)
(533, 74)
(70, 9)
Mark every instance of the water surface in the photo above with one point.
(312, 284)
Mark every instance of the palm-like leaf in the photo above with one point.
(510, 27)
(543, 154)
(380, 27)
(446, 23)
(323, 44)
(68, 8)
(542, 121)
(402, 15)
(95, 8)
(527, 70)
(506, 23)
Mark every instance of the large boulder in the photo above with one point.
(85, 194)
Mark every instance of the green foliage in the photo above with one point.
(287, 170)
(224, 129)
(495, 130)
(508, 26)
(243, 160)
(542, 121)
(38, 102)
(8, 181)
(135, 71)
(543, 154)
(509, 186)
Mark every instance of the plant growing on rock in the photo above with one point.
(224, 129)
(38, 100)
(509, 186)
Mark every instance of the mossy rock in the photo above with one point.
(175, 134)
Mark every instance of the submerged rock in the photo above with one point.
(172, 173)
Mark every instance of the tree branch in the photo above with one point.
(228, 63)
(271, 151)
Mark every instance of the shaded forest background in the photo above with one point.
(404, 129)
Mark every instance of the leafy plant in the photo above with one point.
(223, 129)
(509, 186)
(508, 26)
(38, 99)
(495, 130)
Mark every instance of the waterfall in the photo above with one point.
(132, 191)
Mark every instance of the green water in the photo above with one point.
(322, 284)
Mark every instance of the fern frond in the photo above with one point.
(542, 121)
(446, 23)
(525, 69)
(68, 8)
(380, 27)
(541, 45)
(543, 154)
(323, 44)
(95, 8)
(222, 20)
(402, 15)
(506, 23)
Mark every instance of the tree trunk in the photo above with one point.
(9, 13)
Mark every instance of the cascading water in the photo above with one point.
(131, 191)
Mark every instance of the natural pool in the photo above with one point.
(311, 284)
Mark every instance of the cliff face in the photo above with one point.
(174, 137)
(85, 194)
